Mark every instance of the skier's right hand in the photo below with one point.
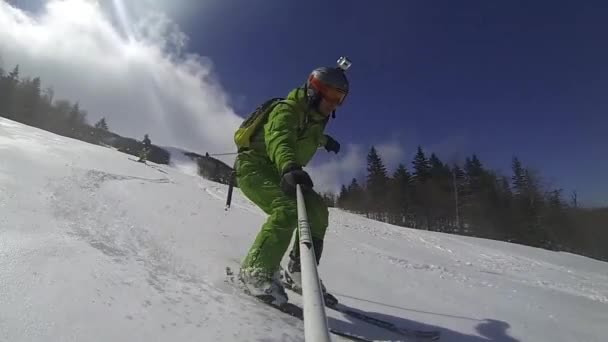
(292, 175)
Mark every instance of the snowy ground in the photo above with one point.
(97, 247)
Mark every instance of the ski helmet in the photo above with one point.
(329, 83)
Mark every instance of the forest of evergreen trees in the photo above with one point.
(464, 199)
(472, 200)
(23, 100)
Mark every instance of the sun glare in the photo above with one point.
(123, 18)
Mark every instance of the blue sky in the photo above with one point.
(493, 78)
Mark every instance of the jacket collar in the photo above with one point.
(299, 96)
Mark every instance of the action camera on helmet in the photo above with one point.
(344, 63)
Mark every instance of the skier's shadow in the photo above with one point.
(489, 329)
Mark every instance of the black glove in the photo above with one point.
(292, 175)
(332, 145)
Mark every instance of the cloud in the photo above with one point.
(392, 153)
(330, 175)
(135, 73)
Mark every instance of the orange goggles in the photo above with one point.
(330, 94)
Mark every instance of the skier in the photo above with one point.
(143, 153)
(268, 170)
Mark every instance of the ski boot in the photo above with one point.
(268, 290)
(292, 279)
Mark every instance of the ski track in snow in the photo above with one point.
(113, 234)
(489, 262)
(220, 192)
(105, 226)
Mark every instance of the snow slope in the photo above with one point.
(97, 247)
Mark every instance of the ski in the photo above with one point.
(297, 312)
(410, 334)
(417, 335)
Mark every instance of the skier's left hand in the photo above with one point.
(332, 145)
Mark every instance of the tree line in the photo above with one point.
(22, 99)
(470, 199)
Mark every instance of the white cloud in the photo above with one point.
(392, 153)
(329, 176)
(136, 74)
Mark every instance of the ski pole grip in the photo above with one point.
(304, 228)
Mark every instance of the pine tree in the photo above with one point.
(27, 101)
(491, 200)
(458, 184)
(422, 168)
(438, 170)
(3, 93)
(519, 211)
(439, 195)
(8, 92)
(562, 232)
(506, 187)
(519, 180)
(60, 111)
(377, 184)
(14, 75)
(440, 173)
(459, 175)
(506, 206)
(534, 205)
(76, 117)
(355, 197)
(342, 197)
(474, 171)
(77, 122)
(36, 96)
(474, 196)
(101, 124)
(528, 206)
(399, 194)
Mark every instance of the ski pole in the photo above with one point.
(230, 188)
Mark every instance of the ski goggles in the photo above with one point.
(330, 94)
(334, 95)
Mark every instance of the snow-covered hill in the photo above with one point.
(97, 247)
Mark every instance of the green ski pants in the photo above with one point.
(259, 180)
